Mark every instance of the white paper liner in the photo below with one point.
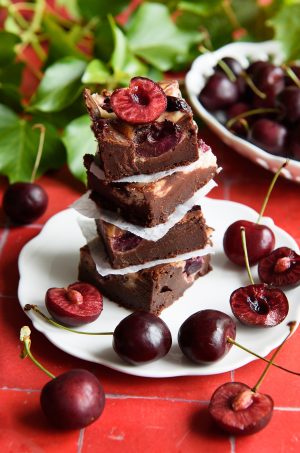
(206, 159)
(100, 258)
(85, 206)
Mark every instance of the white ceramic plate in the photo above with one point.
(202, 68)
(51, 259)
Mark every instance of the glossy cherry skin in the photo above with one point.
(269, 135)
(141, 337)
(260, 241)
(73, 399)
(203, 336)
(219, 92)
(24, 202)
(239, 411)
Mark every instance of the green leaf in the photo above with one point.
(7, 47)
(60, 86)
(62, 43)
(96, 72)
(153, 36)
(286, 25)
(202, 8)
(19, 145)
(71, 6)
(10, 95)
(79, 140)
(101, 8)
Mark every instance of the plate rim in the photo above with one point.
(128, 369)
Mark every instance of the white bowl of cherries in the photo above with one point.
(251, 100)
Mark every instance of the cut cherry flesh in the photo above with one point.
(193, 265)
(236, 409)
(24, 202)
(143, 102)
(125, 242)
(157, 138)
(259, 305)
(203, 336)
(73, 399)
(280, 268)
(260, 242)
(78, 304)
(141, 338)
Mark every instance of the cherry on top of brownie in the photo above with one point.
(145, 128)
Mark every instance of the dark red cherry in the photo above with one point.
(260, 242)
(268, 135)
(73, 400)
(175, 104)
(280, 268)
(158, 138)
(219, 92)
(239, 127)
(80, 303)
(125, 242)
(293, 142)
(141, 337)
(288, 102)
(24, 202)
(255, 66)
(269, 79)
(203, 336)
(259, 305)
(233, 64)
(237, 409)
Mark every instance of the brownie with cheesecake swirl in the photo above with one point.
(126, 149)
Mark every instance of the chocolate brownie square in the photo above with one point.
(149, 204)
(125, 149)
(126, 249)
(152, 289)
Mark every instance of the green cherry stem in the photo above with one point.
(227, 70)
(244, 244)
(252, 112)
(29, 307)
(25, 338)
(39, 151)
(291, 74)
(235, 343)
(275, 177)
(292, 326)
(253, 87)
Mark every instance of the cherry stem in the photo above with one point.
(40, 150)
(291, 74)
(253, 87)
(252, 112)
(235, 343)
(244, 244)
(292, 327)
(275, 177)
(25, 338)
(231, 76)
(29, 307)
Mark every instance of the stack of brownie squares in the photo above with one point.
(149, 173)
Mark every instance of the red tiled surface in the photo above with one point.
(141, 414)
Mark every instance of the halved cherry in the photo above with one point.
(259, 305)
(78, 304)
(280, 268)
(143, 102)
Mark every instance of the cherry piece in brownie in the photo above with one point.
(151, 289)
(152, 203)
(126, 249)
(127, 149)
